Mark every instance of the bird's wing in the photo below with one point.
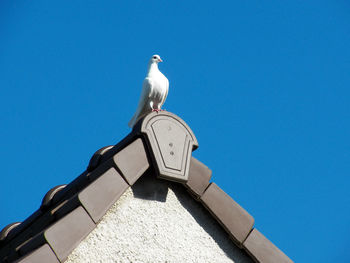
(148, 87)
(166, 91)
(144, 102)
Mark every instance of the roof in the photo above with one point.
(162, 143)
(157, 221)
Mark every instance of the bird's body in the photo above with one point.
(154, 91)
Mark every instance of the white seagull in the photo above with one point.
(154, 91)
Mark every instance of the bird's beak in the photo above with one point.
(160, 60)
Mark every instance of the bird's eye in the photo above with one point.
(154, 57)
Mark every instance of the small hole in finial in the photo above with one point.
(171, 153)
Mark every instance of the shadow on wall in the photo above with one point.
(148, 187)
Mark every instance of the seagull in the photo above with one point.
(154, 91)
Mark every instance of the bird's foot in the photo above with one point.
(156, 110)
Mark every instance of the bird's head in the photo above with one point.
(156, 59)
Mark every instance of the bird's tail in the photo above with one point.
(138, 115)
(132, 121)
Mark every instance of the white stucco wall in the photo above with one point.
(154, 223)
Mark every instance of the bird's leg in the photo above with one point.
(159, 109)
(156, 109)
(151, 104)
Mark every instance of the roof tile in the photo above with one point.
(71, 189)
(102, 193)
(31, 244)
(23, 226)
(47, 200)
(7, 230)
(43, 254)
(65, 235)
(108, 152)
(101, 169)
(199, 177)
(96, 158)
(262, 249)
(26, 236)
(132, 161)
(65, 207)
(237, 222)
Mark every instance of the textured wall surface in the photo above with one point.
(157, 221)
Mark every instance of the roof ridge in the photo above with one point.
(113, 169)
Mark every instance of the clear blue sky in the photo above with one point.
(263, 85)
